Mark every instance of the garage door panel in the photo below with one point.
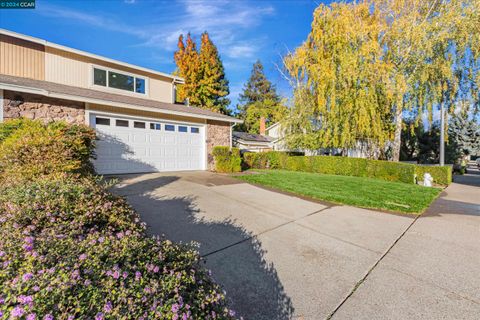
(156, 138)
(183, 140)
(135, 150)
(157, 153)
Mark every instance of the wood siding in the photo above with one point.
(21, 58)
(75, 70)
(66, 68)
(161, 90)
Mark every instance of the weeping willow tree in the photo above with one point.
(342, 93)
(365, 64)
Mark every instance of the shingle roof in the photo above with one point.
(76, 93)
(251, 137)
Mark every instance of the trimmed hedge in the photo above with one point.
(441, 175)
(269, 159)
(227, 160)
(345, 166)
(70, 249)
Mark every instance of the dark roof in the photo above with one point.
(251, 137)
(78, 93)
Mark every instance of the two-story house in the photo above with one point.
(140, 127)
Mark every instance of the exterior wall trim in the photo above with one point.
(12, 87)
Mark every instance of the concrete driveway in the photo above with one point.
(281, 257)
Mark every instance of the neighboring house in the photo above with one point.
(277, 135)
(133, 109)
(251, 142)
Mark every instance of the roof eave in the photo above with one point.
(43, 92)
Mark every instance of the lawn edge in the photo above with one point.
(332, 203)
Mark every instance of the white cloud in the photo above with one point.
(91, 19)
(225, 21)
(241, 51)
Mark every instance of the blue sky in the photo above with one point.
(145, 32)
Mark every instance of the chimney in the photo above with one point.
(262, 126)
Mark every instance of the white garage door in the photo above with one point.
(131, 145)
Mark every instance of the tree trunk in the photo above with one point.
(397, 139)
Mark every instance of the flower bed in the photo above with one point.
(72, 250)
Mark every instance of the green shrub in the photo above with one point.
(391, 171)
(441, 175)
(227, 159)
(264, 160)
(10, 126)
(345, 166)
(32, 148)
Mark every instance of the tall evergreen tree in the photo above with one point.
(464, 134)
(259, 99)
(205, 83)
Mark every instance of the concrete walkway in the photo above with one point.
(433, 271)
(281, 257)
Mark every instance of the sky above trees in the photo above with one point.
(145, 32)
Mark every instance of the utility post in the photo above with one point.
(442, 134)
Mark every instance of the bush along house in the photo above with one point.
(139, 126)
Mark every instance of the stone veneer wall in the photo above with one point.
(32, 106)
(218, 134)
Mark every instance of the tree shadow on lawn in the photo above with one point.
(234, 256)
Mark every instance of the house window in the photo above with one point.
(100, 77)
(155, 126)
(139, 124)
(121, 123)
(102, 121)
(182, 129)
(169, 127)
(118, 80)
(194, 130)
(139, 85)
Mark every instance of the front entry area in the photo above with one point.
(136, 145)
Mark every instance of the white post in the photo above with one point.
(442, 135)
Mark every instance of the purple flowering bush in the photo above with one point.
(69, 249)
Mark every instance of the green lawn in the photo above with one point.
(355, 191)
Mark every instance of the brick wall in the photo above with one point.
(218, 134)
(34, 106)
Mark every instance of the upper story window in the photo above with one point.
(118, 80)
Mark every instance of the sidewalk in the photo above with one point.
(433, 270)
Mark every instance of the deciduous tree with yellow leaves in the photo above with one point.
(365, 64)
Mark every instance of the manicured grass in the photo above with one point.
(355, 191)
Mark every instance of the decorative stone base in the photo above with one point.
(32, 106)
(218, 134)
